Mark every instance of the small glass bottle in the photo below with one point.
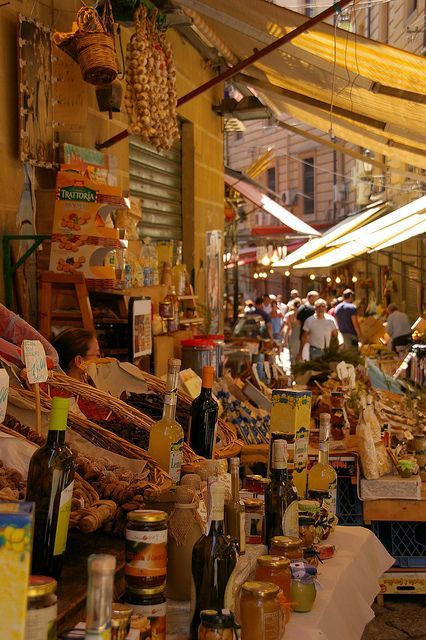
(40, 623)
(235, 510)
(322, 476)
(100, 591)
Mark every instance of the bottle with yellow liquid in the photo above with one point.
(166, 435)
(322, 476)
(179, 274)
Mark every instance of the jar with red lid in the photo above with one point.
(253, 520)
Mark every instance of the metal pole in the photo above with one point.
(334, 8)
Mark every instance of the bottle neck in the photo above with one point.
(55, 436)
(323, 452)
(206, 392)
(170, 396)
(235, 483)
(216, 527)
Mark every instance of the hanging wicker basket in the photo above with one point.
(94, 42)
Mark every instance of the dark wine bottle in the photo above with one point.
(50, 486)
(204, 413)
(235, 511)
(214, 558)
(281, 511)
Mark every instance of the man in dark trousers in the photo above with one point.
(346, 317)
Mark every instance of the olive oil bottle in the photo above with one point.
(50, 486)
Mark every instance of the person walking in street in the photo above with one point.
(281, 305)
(260, 311)
(292, 329)
(346, 316)
(398, 327)
(307, 309)
(277, 319)
(267, 304)
(318, 331)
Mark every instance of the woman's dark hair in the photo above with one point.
(71, 343)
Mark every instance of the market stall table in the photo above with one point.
(350, 582)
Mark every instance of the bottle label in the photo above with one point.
(155, 614)
(176, 457)
(253, 527)
(279, 454)
(242, 532)
(290, 521)
(63, 518)
(170, 397)
(146, 553)
(323, 446)
(271, 624)
(330, 502)
(40, 624)
(98, 635)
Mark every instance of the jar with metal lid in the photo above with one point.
(276, 569)
(41, 616)
(216, 625)
(198, 353)
(149, 610)
(261, 617)
(120, 620)
(146, 548)
(286, 547)
(303, 587)
(253, 483)
(307, 530)
(254, 520)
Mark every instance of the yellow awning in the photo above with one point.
(379, 91)
(393, 228)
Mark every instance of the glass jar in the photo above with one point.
(303, 594)
(310, 555)
(286, 547)
(307, 530)
(337, 399)
(276, 569)
(41, 616)
(261, 617)
(149, 610)
(216, 625)
(253, 520)
(253, 483)
(120, 621)
(146, 548)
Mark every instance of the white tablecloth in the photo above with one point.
(350, 583)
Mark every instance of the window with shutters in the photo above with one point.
(156, 179)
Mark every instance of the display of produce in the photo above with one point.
(50, 486)
(204, 415)
(166, 436)
(252, 423)
(150, 97)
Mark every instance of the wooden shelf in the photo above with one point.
(191, 321)
(187, 297)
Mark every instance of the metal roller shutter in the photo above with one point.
(156, 178)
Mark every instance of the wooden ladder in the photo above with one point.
(55, 289)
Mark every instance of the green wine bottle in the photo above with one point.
(50, 486)
(281, 511)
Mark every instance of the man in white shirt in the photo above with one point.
(281, 305)
(318, 331)
(398, 327)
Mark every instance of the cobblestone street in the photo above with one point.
(401, 618)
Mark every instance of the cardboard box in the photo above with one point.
(163, 351)
(291, 414)
(16, 531)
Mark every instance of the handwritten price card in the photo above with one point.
(35, 361)
(4, 392)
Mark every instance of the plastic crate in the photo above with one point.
(348, 505)
(405, 541)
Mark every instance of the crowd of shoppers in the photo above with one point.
(306, 326)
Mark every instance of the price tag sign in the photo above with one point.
(4, 392)
(35, 361)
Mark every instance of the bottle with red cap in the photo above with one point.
(204, 414)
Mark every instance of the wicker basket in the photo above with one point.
(97, 58)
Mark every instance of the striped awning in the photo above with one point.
(377, 92)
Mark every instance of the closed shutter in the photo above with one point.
(156, 178)
(412, 278)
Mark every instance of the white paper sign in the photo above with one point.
(35, 361)
(4, 392)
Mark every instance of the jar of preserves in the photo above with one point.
(260, 611)
(146, 548)
(307, 530)
(337, 399)
(253, 483)
(149, 610)
(310, 555)
(303, 594)
(41, 616)
(253, 520)
(286, 547)
(216, 625)
(276, 569)
(120, 620)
